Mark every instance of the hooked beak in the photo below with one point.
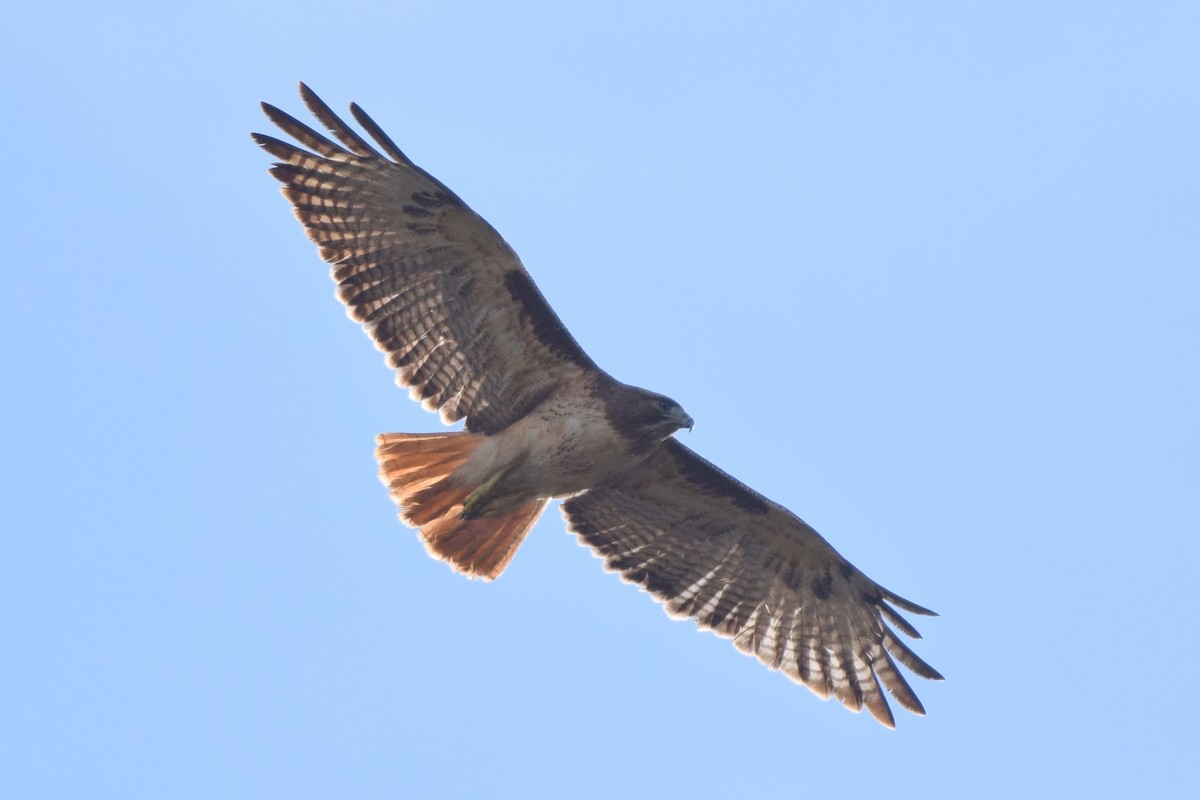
(684, 419)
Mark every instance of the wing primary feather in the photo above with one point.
(799, 647)
(908, 605)
(853, 698)
(877, 704)
(345, 134)
(821, 629)
(302, 133)
(276, 147)
(381, 138)
(897, 685)
(867, 652)
(908, 658)
(900, 622)
(287, 174)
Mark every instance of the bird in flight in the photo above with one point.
(468, 332)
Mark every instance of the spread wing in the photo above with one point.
(711, 548)
(433, 284)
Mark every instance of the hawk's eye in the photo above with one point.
(664, 404)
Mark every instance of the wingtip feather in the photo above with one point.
(377, 133)
(334, 124)
(909, 605)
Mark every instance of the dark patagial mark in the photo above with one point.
(465, 289)
(716, 483)
(429, 200)
(417, 211)
(537, 314)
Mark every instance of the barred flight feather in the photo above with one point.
(768, 582)
(426, 276)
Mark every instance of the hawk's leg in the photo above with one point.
(483, 501)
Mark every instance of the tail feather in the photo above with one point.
(481, 547)
(418, 470)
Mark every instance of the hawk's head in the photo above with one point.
(646, 418)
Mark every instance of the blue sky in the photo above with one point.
(924, 273)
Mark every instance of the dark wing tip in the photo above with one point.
(275, 114)
(334, 124)
(303, 134)
(309, 97)
(893, 616)
(277, 147)
(908, 658)
(376, 133)
(909, 605)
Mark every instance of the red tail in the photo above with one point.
(418, 469)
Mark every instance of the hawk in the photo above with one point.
(468, 332)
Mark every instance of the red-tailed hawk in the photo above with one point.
(466, 329)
